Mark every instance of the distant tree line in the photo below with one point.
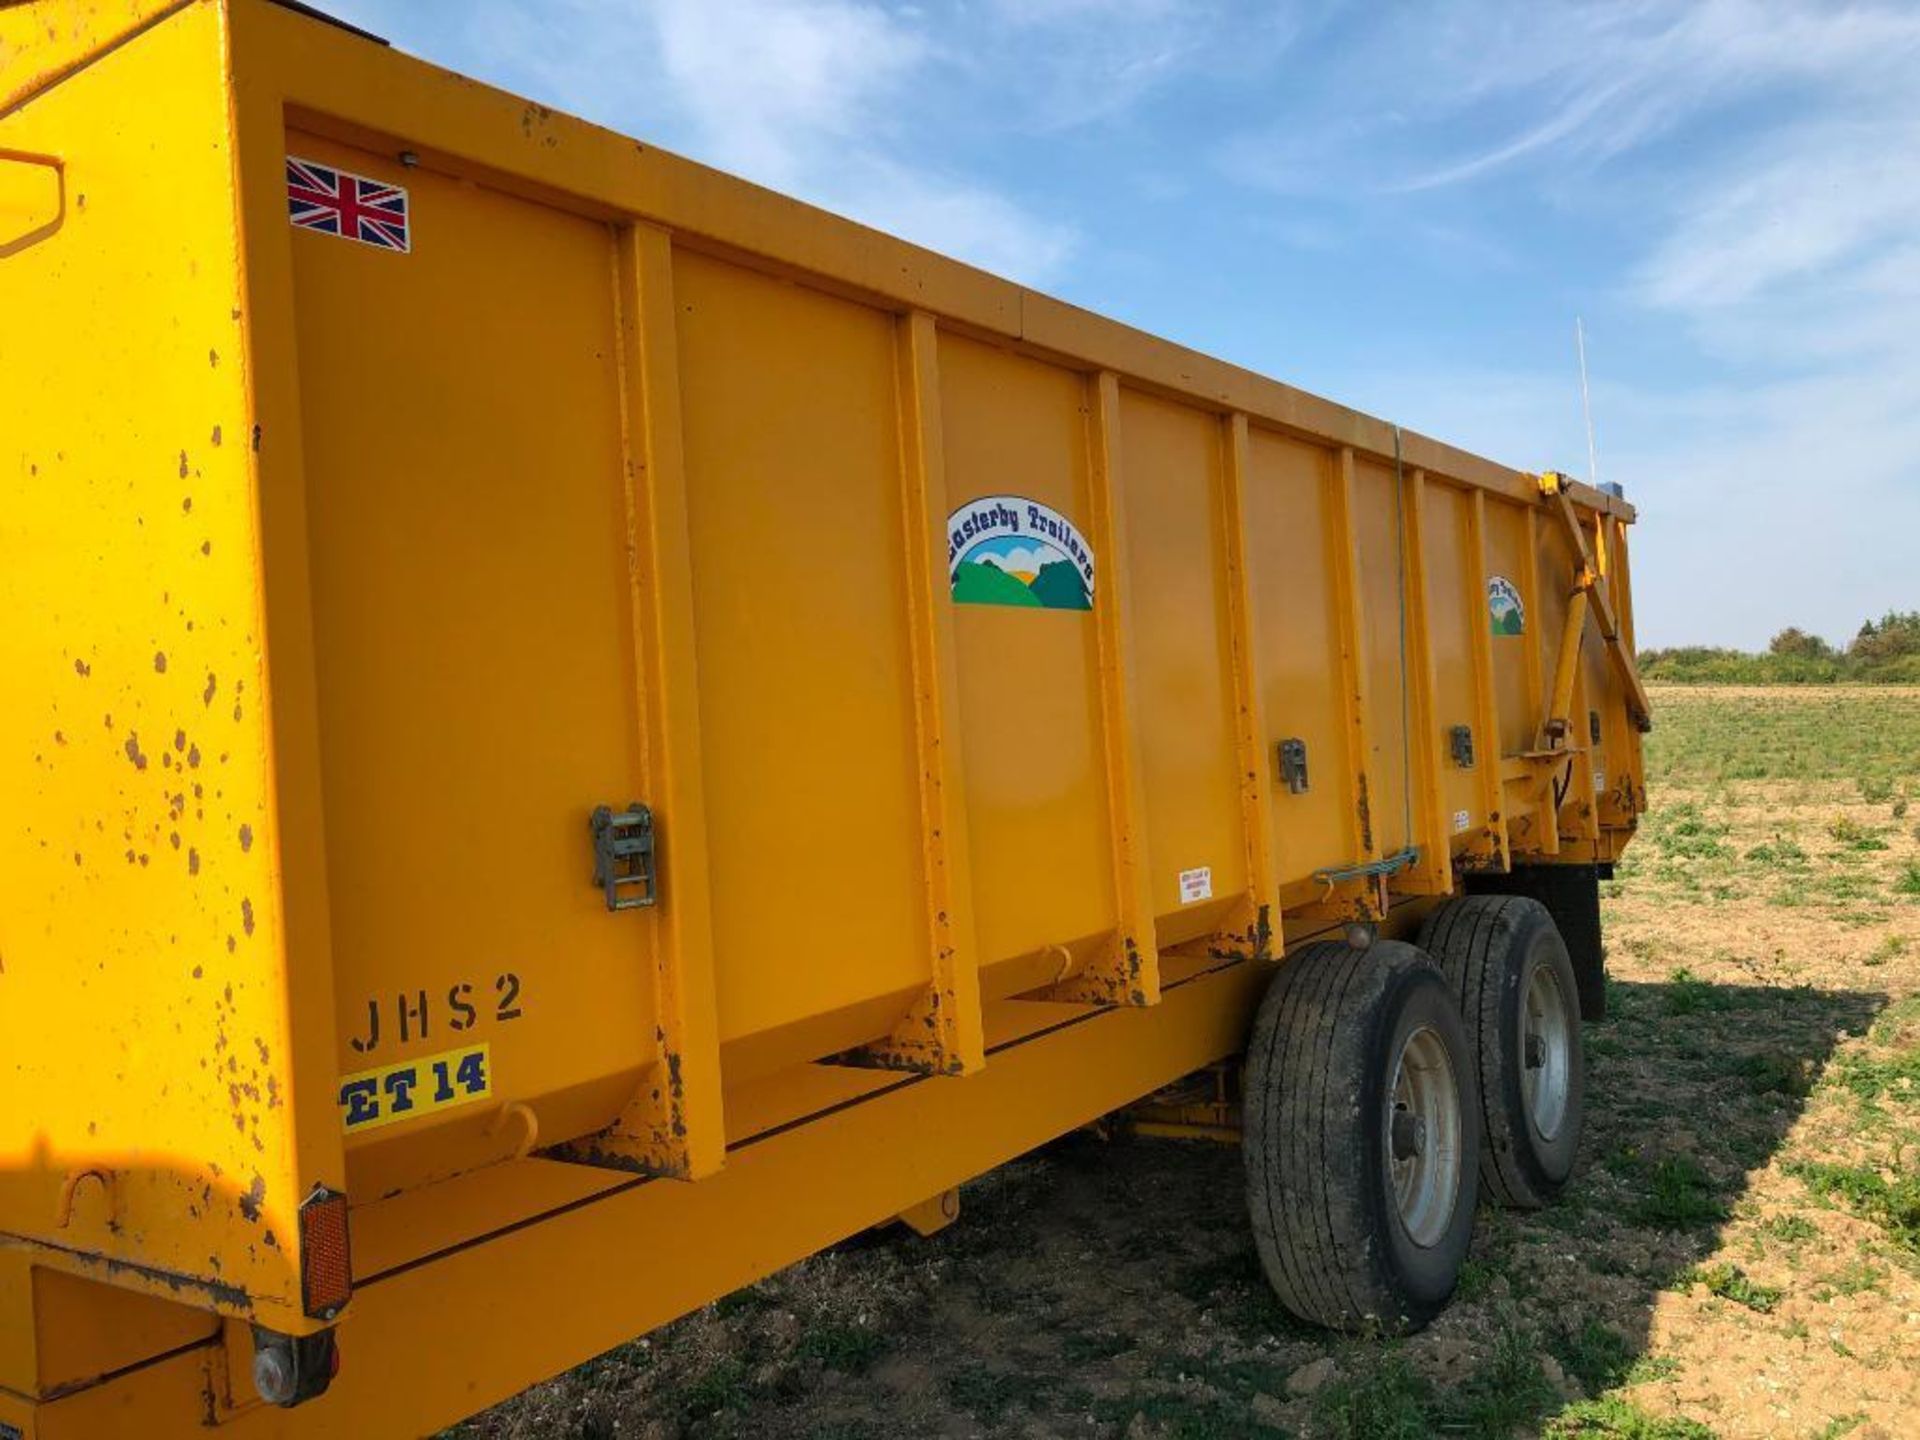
(1884, 652)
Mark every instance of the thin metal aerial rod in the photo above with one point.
(1586, 403)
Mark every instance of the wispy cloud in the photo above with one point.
(800, 94)
(1063, 63)
(1838, 200)
(769, 82)
(1758, 164)
(808, 96)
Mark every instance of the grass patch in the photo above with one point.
(849, 1349)
(1893, 1020)
(1793, 1229)
(1476, 1279)
(1596, 1355)
(1849, 834)
(1508, 1391)
(1870, 1078)
(1187, 1417)
(1679, 1196)
(1389, 1403)
(1688, 994)
(1893, 1205)
(1600, 1358)
(1891, 947)
(1907, 882)
(1771, 1074)
(1621, 1420)
(722, 1387)
(1081, 1348)
(1730, 1282)
(1875, 789)
(988, 1394)
(1710, 735)
(1838, 1426)
(1856, 1277)
(1682, 832)
(1779, 853)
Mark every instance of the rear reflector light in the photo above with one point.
(326, 1259)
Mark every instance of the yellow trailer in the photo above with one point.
(576, 730)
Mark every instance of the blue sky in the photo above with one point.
(1402, 206)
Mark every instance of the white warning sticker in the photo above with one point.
(1462, 821)
(1599, 773)
(1196, 885)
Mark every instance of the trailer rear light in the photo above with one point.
(290, 1370)
(326, 1258)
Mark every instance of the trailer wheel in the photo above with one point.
(1571, 894)
(1361, 1129)
(1510, 969)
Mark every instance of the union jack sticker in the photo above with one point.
(338, 202)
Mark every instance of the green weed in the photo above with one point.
(1388, 1403)
(1596, 1355)
(1893, 1020)
(1791, 1228)
(1779, 852)
(1679, 1197)
(1870, 1078)
(723, 1387)
(1730, 1282)
(1894, 1204)
(1649, 1368)
(1509, 1390)
(1856, 1277)
(1840, 1425)
(1682, 832)
(849, 1349)
(1621, 1420)
(1186, 1417)
(1890, 948)
(1476, 1279)
(988, 1395)
(1688, 994)
(1850, 834)
(1768, 1074)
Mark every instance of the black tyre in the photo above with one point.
(1571, 894)
(1507, 964)
(1361, 1132)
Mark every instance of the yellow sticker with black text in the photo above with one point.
(410, 1089)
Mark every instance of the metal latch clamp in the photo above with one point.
(623, 859)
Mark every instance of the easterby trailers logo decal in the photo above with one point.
(1505, 608)
(1009, 550)
(338, 202)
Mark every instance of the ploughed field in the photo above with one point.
(1738, 1253)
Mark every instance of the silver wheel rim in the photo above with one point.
(1546, 1052)
(1423, 1136)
